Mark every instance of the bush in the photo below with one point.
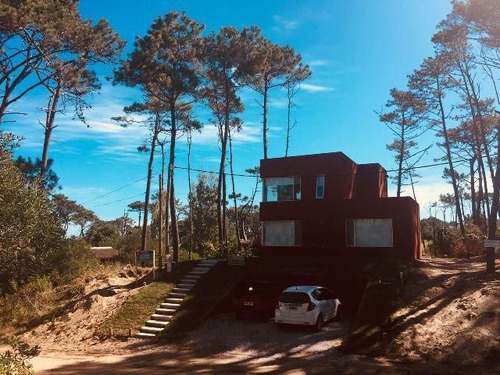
(73, 260)
(27, 302)
(16, 362)
(30, 234)
(451, 243)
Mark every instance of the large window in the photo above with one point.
(369, 232)
(281, 189)
(281, 233)
(320, 186)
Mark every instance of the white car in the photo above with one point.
(306, 305)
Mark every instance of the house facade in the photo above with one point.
(326, 204)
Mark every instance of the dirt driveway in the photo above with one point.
(222, 345)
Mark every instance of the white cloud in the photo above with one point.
(284, 24)
(209, 135)
(314, 88)
(319, 62)
(426, 194)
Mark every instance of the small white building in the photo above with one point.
(104, 252)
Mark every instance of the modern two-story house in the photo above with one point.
(326, 204)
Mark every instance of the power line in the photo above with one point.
(337, 174)
(205, 171)
(113, 191)
(248, 176)
(118, 200)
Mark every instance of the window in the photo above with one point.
(281, 233)
(294, 297)
(369, 232)
(281, 189)
(320, 186)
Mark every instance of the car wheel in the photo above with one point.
(238, 315)
(280, 326)
(319, 323)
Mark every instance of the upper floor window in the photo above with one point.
(320, 186)
(281, 189)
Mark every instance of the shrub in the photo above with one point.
(16, 361)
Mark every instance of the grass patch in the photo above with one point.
(139, 307)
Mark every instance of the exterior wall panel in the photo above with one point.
(351, 192)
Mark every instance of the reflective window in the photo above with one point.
(281, 233)
(281, 189)
(369, 232)
(320, 186)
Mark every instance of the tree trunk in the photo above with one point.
(492, 227)
(288, 110)
(264, 119)
(49, 126)
(450, 163)
(190, 194)
(401, 156)
(173, 215)
(236, 215)
(475, 216)
(160, 221)
(148, 183)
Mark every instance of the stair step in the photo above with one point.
(184, 286)
(209, 261)
(188, 281)
(192, 277)
(165, 318)
(162, 311)
(199, 270)
(181, 290)
(149, 329)
(195, 273)
(157, 323)
(167, 305)
(145, 335)
(177, 295)
(174, 300)
(204, 265)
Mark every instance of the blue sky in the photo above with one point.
(357, 50)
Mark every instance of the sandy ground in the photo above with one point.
(451, 312)
(448, 323)
(75, 330)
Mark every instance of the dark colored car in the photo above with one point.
(255, 298)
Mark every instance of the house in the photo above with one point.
(326, 204)
(104, 252)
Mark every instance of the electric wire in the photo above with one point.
(251, 176)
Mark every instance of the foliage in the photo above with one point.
(204, 204)
(102, 233)
(29, 232)
(16, 361)
(31, 170)
(43, 40)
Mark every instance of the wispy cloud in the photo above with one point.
(284, 24)
(319, 62)
(314, 88)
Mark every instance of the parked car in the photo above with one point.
(255, 298)
(306, 305)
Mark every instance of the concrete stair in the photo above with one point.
(164, 313)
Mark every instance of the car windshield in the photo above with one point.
(294, 297)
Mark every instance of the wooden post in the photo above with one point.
(160, 220)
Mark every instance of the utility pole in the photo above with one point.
(160, 235)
